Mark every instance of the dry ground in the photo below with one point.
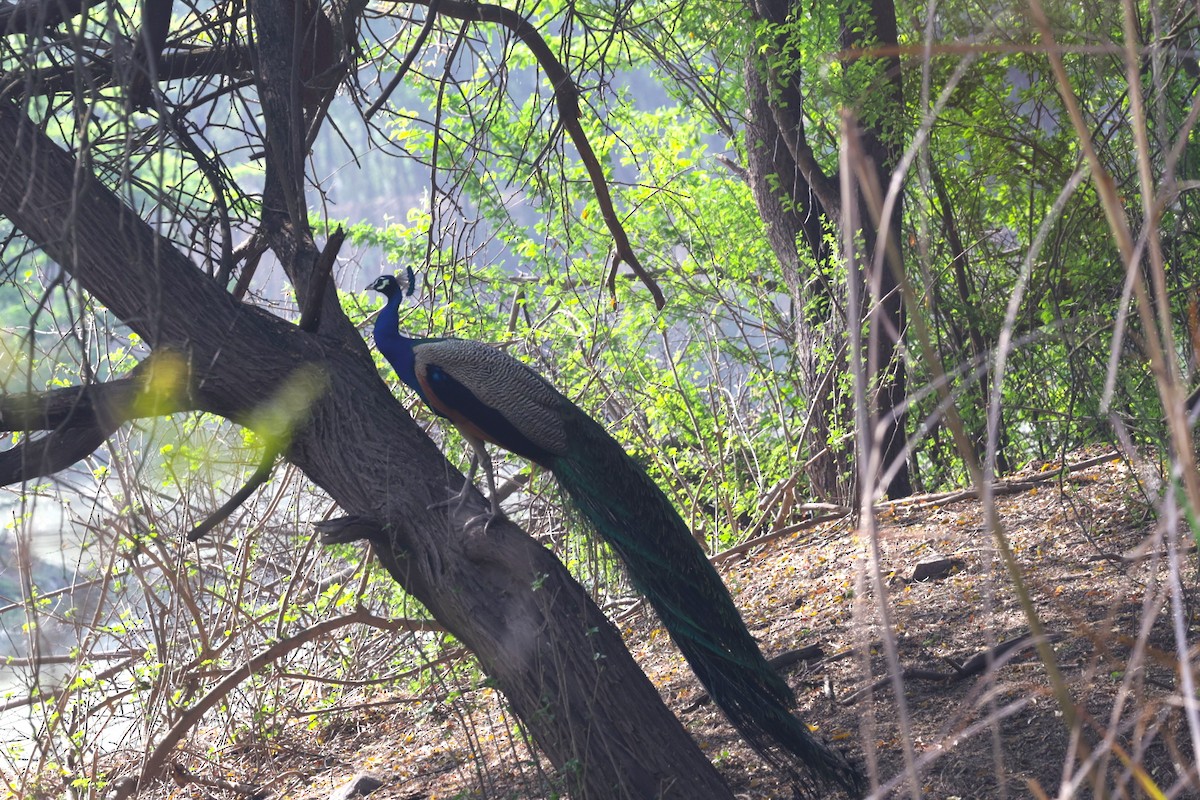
(1091, 555)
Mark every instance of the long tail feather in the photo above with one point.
(667, 566)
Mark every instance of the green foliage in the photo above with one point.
(704, 392)
(713, 443)
(1003, 149)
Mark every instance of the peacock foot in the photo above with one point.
(457, 502)
(481, 521)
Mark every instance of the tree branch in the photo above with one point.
(144, 280)
(293, 45)
(426, 29)
(125, 264)
(45, 455)
(260, 476)
(174, 65)
(80, 418)
(45, 411)
(310, 317)
(157, 760)
(36, 16)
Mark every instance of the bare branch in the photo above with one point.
(310, 317)
(173, 65)
(126, 265)
(143, 279)
(157, 760)
(48, 454)
(430, 18)
(265, 467)
(296, 76)
(45, 411)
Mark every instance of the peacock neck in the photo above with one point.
(395, 346)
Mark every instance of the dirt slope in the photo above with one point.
(1092, 557)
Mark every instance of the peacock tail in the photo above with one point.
(668, 567)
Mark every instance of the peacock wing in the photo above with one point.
(490, 395)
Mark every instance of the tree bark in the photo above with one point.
(553, 654)
(793, 201)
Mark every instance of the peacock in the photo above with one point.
(493, 398)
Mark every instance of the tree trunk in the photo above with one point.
(795, 220)
(536, 633)
(882, 143)
(796, 198)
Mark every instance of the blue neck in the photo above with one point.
(395, 346)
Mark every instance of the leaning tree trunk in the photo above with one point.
(552, 653)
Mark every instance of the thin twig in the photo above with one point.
(156, 761)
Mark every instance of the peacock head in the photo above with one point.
(389, 285)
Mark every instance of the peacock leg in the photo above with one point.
(482, 457)
(479, 454)
(457, 499)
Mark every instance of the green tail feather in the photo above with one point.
(667, 566)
